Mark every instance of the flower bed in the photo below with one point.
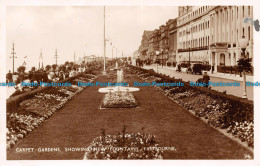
(124, 146)
(223, 111)
(85, 78)
(119, 100)
(32, 111)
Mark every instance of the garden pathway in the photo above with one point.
(233, 90)
(80, 121)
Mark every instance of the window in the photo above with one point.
(248, 10)
(227, 16)
(232, 15)
(232, 34)
(243, 31)
(249, 33)
(243, 11)
(237, 12)
(237, 34)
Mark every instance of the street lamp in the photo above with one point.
(105, 42)
(157, 54)
(113, 54)
(243, 44)
(188, 32)
(162, 57)
(189, 54)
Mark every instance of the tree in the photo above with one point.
(66, 63)
(71, 63)
(33, 69)
(48, 67)
(245, 64)
(54, 66)
(21, 69)
(62, 67)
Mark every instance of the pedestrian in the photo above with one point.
(45, 76)
(21, 76)
(9, 77)
(206, 79)
(212, 69)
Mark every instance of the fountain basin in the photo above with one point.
(118, 88)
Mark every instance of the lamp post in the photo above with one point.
(13, 57)
(162, 57)
(157, 54)
(188, 32)
(112, 54)
(243, 44)
(104, 71)
(189, 54)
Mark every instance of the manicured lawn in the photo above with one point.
(80, 121)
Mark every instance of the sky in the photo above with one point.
(78, 29)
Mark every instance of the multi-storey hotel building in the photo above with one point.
(211, 34)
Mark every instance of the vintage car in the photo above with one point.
(194, 68)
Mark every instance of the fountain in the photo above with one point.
(116, 65)
(120, 78)
(119, 73)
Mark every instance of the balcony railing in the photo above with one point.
(193, 49)
(219, 45)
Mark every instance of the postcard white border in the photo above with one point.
(3, 53)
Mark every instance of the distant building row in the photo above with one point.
(207, 34)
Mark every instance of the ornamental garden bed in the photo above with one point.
(125, 146)
(119, 99)
(31, 111)
(227, 112)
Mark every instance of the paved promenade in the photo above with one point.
(234, 90)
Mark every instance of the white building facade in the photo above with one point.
(210, 34)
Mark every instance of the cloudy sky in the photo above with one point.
(78, 29)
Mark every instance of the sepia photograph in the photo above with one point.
(141, 82)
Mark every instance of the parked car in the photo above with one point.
(194, 68)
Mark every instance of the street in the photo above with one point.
(233, 90)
